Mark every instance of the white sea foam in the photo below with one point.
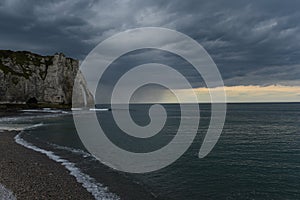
(18, 127)
(82, 153)
(91, 185)
(75, 151)
(45, 110)
(99, 109)
(96, 189)
(26, 118)
(9, 119)
(6, 194)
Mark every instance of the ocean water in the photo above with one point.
(256, 157)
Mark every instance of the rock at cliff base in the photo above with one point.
(32, 100)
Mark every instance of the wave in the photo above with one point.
(23, 121)
(26, 118)
(89, 183)
(83, 153)
(91, 109)
(99, 109)
(45, 110)
(18, 127)
(72, 150)
(18, 123)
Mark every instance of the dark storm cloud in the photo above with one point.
(252, 42)
(43, 27)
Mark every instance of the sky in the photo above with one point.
(255, 44)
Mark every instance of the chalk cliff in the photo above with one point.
(48, 79)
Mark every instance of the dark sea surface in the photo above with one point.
(256, 157)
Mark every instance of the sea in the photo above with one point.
(257, 155)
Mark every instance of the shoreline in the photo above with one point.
(33, 175)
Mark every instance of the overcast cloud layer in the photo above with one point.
(252, 42)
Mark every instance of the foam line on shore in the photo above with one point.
(82, 153)
(18, 127)
(72, 150)
(13, 119)
(45, 110)
(90, 184)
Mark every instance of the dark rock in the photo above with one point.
(32, 100)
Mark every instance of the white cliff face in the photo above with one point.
(24, 75)
(82, 97)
